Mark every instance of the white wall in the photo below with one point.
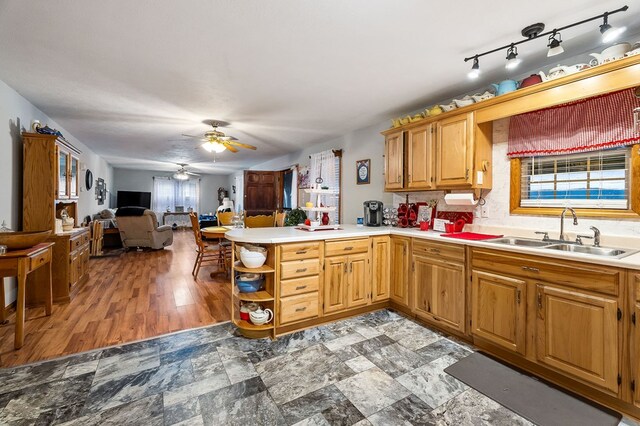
(16, 115)
(142, 180)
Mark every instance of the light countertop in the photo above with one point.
(292, 235)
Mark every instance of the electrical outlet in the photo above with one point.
(476, 213)
(484, 212)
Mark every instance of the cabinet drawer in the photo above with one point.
(299, 268)
(440, 250)
(296, 308)
(75, 242)
(574, 274)
(299, 286)
(337, 248)
(299, 251)
(40, 259)
(85, 238)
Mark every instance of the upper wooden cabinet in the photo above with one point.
(450, 153)
(420, 162)
(454, 151)
(394, 161)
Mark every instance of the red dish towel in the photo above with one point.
(471, 236)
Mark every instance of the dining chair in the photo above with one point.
(280, 217)
(97, 238)
(260, 221)
(225, 219)
(206, 254)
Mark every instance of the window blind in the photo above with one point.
(596, 180)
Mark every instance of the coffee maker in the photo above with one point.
(373, 213)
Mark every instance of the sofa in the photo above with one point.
(139, 228)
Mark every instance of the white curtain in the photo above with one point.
(164, 194)
(169, 193)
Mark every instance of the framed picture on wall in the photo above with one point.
(363, 172)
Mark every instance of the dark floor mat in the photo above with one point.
(533, 399)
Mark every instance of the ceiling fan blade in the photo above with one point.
(241, 145)
(193, 174)
(229, 147)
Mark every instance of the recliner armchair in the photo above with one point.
(142, 230)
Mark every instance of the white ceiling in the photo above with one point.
(128, 77)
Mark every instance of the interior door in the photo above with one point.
(577, 334)
(261, 192)
(498, 310)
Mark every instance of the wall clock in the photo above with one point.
(363, 172)
(88, 179)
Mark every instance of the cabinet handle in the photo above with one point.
(466, 175)
(539, 300)
(299, 271)
(300, 287)
(301, 252)
(518, 296)
(348, 248)
(530, 269)
(350, 267)
(301, 309)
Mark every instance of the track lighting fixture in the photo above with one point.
(609, 33)
(475, 69)
(554, 44)
(535, 31)
(512, 57)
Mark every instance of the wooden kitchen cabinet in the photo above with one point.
(454, 151)
(634, 288)
(438, 287)
(394, 161)
(380, 268)
(577, 334)
(420, 161)
(347, 283)
(498, 310)
(400, 259)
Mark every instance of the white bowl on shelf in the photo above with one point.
(252, 259)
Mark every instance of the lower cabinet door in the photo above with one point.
(498, 310)
(439, 292)
(577, 334)
(335, 284)
(400, 270)
(635, 339)
(298, 307)
(380, 269)
(359, 285)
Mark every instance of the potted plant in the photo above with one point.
(295, 217)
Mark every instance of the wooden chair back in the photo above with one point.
(225, 218)
(280, 217)
(97, 238)
(260, 221)
(195, 227)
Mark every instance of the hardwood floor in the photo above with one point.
(131, 297)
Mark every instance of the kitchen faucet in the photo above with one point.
(575, 221)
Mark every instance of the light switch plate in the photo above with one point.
(484, 211)
(479, 177)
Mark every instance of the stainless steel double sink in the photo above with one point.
(609, 252)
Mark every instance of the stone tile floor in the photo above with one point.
(375, 369)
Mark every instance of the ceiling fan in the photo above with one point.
(216, 141)
(182, 173)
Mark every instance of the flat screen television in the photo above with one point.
(134, 199)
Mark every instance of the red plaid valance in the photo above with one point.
(600, 122)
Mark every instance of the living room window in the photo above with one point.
(175, 195)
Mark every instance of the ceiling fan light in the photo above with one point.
(181, 175)
(216, 147)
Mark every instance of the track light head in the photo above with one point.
(554, 44)
(475, 69)
(512, 58)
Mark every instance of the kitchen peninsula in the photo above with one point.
(517, 302)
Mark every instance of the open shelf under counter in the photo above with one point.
(249, 326)
(258, 296)
(264, 269)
